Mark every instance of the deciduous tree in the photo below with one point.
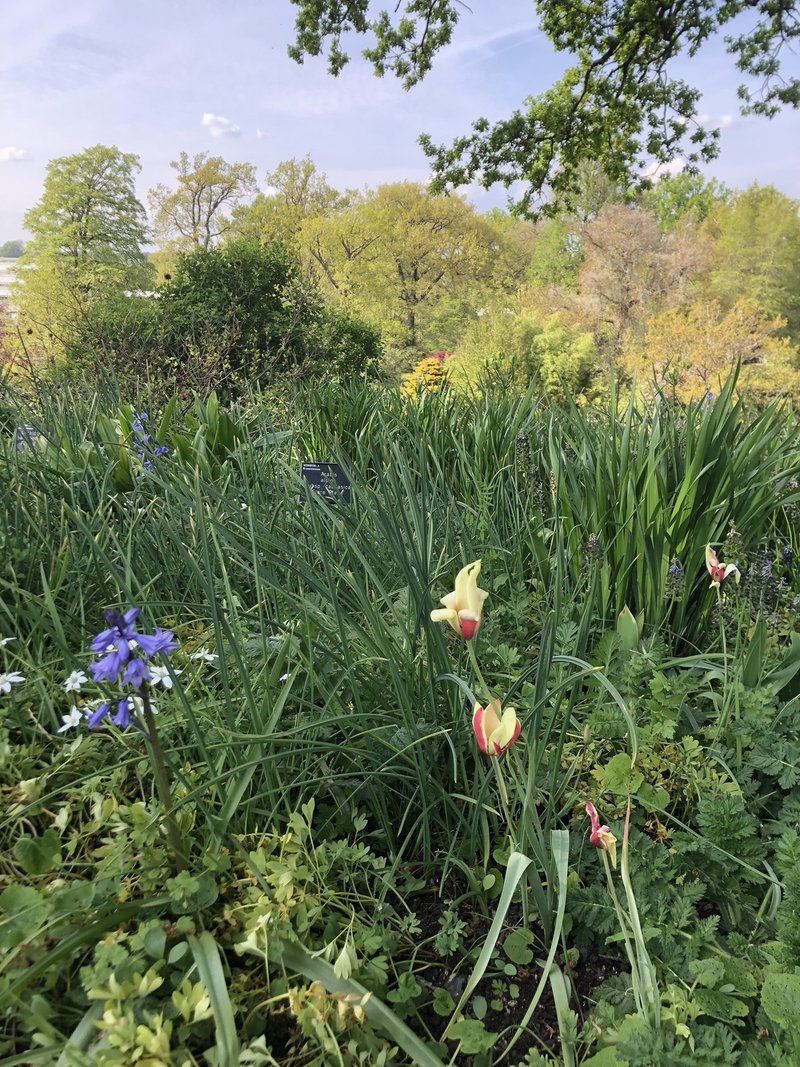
(409, 261)
(194, 214)
(630, 267)
(676, 197)
(333, 246)
(87, 232)
(756, 236)
(690, 352)
(617, 104)
(296, 191)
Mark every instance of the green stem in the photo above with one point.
(481, 681)
(725, 717)
(501, 788)
(162, 782)
(646, 970)
(625, 928)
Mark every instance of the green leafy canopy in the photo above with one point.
(617, 104)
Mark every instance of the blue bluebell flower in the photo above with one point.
(125, 659)
(122, 719)
(161, 641)
(120, 627)
(109, 668)
(136, 674)
(96, 717)
(144, 445)
(138, 418)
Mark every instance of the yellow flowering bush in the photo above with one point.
(428, 375)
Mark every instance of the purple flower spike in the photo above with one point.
(120, 627)
(97, 716)
(138, 418)
(136, 674)
(162, 641)
(122, 719)
(123, 660)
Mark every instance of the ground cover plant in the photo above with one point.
(495, 763)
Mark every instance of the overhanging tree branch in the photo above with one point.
(617, 105)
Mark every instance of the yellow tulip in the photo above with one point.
(463, 608)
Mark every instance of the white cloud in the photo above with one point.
(658, 170)
(259, 134)
(10, 153)
(518, 34)
(219, 126)
(724, 122)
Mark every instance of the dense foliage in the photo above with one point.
(618, 103)
(339, 832)
(227, 318)
(595, 292)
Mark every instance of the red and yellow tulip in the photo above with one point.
(495, 729)
(463, 608)
(601, 836)
(717, 570)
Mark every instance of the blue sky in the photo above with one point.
(145, 75)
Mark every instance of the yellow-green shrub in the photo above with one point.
(518, 345)
(428, 375)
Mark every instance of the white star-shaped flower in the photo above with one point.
(7, 680)
(138, 706)
(204, 655)
(75, 718)
(74, 682)
(162, 675)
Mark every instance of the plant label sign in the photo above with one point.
(328, 480)
(25, 438)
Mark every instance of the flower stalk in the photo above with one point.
(125, 658)
(162, 782)
(643, 974)
(718, 574)
(495, 727)
(477, 671)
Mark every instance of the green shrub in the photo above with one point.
(520, 348)
(227, 317)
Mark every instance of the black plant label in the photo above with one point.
(25, 438)
(328, 480)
